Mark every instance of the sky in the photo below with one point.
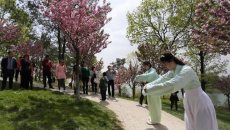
(116, 28)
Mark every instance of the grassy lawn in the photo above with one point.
(46, 110)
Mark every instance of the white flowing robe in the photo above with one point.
(199, 110)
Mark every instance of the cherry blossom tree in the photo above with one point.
(121, 77)
(133, 71)
(127, 75)
(8, 32)
(210, 33)
(81, 21)
(33, 49)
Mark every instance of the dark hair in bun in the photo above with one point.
(147, 63)
(169, 57)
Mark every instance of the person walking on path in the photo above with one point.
(47, 65)
(94, 78)
(110, 73)
(199, 110)
(154, 101)
(103, 86)
(174, 99)
(85, 74)
(142, 97)
(60, 73)
(8, 66)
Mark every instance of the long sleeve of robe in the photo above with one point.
(148, 76)
(182, 77)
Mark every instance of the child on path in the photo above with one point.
(103, 86)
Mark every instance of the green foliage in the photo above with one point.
(212, 62)
(151, 53)
(159, 26)
(10, 12)
(46, 110)
(214, 66)
(163, 23)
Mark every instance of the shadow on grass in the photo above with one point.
(54, 110)
(16, 87)
(57, 93)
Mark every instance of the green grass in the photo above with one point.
(223, 114)
(46, 110)
(212, 90)
(166, 107)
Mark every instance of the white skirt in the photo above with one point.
(199, 111)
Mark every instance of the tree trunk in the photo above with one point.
(40, 70)
(228, 96)
(202, 69)
(59, 44)
(119, 89)
(77, 73)
(63, 48)
(134, 91)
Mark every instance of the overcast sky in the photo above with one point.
(120, 46)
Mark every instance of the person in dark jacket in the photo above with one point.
(174, 99)
(103, 86)
(31, 76)
(94, 79)
(25, 72)
(85, 73)
(18, 69)
(8, 66)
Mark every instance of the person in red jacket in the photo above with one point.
(47, 65)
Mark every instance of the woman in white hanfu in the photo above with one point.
(154, 102)
(199, 110)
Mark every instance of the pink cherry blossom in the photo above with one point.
(81, 21)
(212, 26)
(8, 32)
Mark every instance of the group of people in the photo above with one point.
(26, 68)
(106, 82)
(199, 110)
(23, 66)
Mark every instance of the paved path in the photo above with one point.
(134, 117)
